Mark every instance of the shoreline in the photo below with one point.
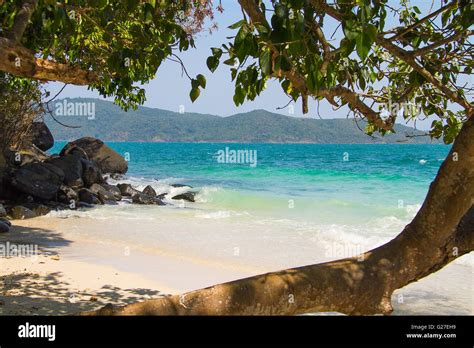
(73, 274)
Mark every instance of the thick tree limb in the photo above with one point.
(442, 230)
(19, 61)
(21, 20)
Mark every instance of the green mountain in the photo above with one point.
(104, 120)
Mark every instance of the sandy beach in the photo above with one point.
(73, 273)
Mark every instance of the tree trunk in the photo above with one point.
(440, 232)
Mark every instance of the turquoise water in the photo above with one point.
(327, 183)
(300, 205)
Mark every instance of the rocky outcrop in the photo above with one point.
(89, 197)
(127, 190)
(71, 165)
(187, 196)
(40, 180)
(106, 197)
(21, 213)
(114, 190)
(108, 160)
(38, 209)
(91, 173)
(68, 196)
(149, 191)
(141, 198)
(41, 136)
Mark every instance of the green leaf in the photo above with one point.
(194, 94)
(237, 24)
(201, 80)
(365, 40)
(266, 62)
(212, 63)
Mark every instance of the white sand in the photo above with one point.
(78, 270)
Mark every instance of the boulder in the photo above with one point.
(4, 228)
(67, 195)
(106, 197)
(41, 136)
(37, 208)
(3, 212)
(141, 198)
(108, 160)
(187, 196)
(89, 197)
(41, 180)
(6, 221)
(71, 165)
(149, 191)
(91, 173)
(20, 213)
(114, 190)
(127, 190)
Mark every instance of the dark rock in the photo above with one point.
(141, 198)
(68, 196)
(4, 228)
(108, 160)
(6, 221)
(7, 191)
(71, 165)
(105, 196)
(20, 213)
(41, 136)
(3, 212)
(161, 196)
(41, 180)
(89, 197)
(149, 191)
(127, 190)
(114, 190)
(187, 196)
(180, 185)
(91, 173)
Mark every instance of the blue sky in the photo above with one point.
(169, 90)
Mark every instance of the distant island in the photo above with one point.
(107, 121)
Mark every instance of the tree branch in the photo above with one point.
(299, 82)
(21, 20)
(19, 61)
(424, 50)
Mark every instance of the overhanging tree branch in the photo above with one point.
(19, 61)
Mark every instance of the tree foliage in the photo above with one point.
(381, 72)
(111, 44)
